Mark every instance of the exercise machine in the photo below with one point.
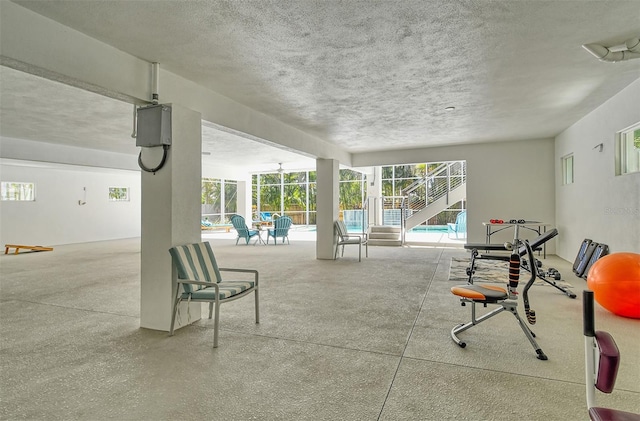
(505, 299)
(589, 252)
(548, 276)
(602, 359)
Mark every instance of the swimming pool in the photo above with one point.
(418, 229)
(429, 228)
(357, 228)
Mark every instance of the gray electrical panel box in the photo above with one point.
(154, 126)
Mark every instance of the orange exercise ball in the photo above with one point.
(615, 282)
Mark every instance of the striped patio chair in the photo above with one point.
(199, 280)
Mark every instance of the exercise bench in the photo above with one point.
(535, 244)
(18, 247)
(504, 298)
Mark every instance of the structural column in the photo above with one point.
(374, 195)
(327, 206)
(244, 205)
(170, 216)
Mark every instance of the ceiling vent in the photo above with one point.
(629, 50)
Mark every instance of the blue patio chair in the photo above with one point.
(280, 229)
(460, 227)
(265, 217)
(199, 280)
(243, 231)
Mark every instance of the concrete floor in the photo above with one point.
(338, 340)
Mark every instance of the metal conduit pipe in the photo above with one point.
(155, 69)
(605, 54)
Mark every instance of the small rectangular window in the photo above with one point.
(18, 191)
(118, 194)
(567, 169)
(628, 150)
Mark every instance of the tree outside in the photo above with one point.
(219, 199)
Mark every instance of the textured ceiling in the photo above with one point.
(38, 109)
(371, 76)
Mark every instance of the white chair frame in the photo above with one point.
(344, 238)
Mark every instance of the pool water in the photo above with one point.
(418, 229)
(429, 228)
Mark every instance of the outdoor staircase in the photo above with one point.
(385, 235)
(438, 205)
(425, 198)
(435, 192)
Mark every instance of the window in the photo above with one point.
(118, 194)
(567, 169)
(18, 191)
(628, 150)
(352, 189)
(219, 199)
(442, 178)
(287, 193)
(399, 177)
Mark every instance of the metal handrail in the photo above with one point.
(392, 203)
(365, 216)
(413, 186)
(437, 183)
(424, 191)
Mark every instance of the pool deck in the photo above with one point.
(435, 237)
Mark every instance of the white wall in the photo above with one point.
(511, 180)
(506, 180)
(55, 217)
(599, 205)
(30, 150)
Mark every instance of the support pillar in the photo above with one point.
(244, 203)
(170, 216)
(374, 195)
(327, 206)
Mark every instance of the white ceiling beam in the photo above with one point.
(35, 44)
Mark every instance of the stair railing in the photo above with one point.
(366, 208)
(394, 209)
(434, 185)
